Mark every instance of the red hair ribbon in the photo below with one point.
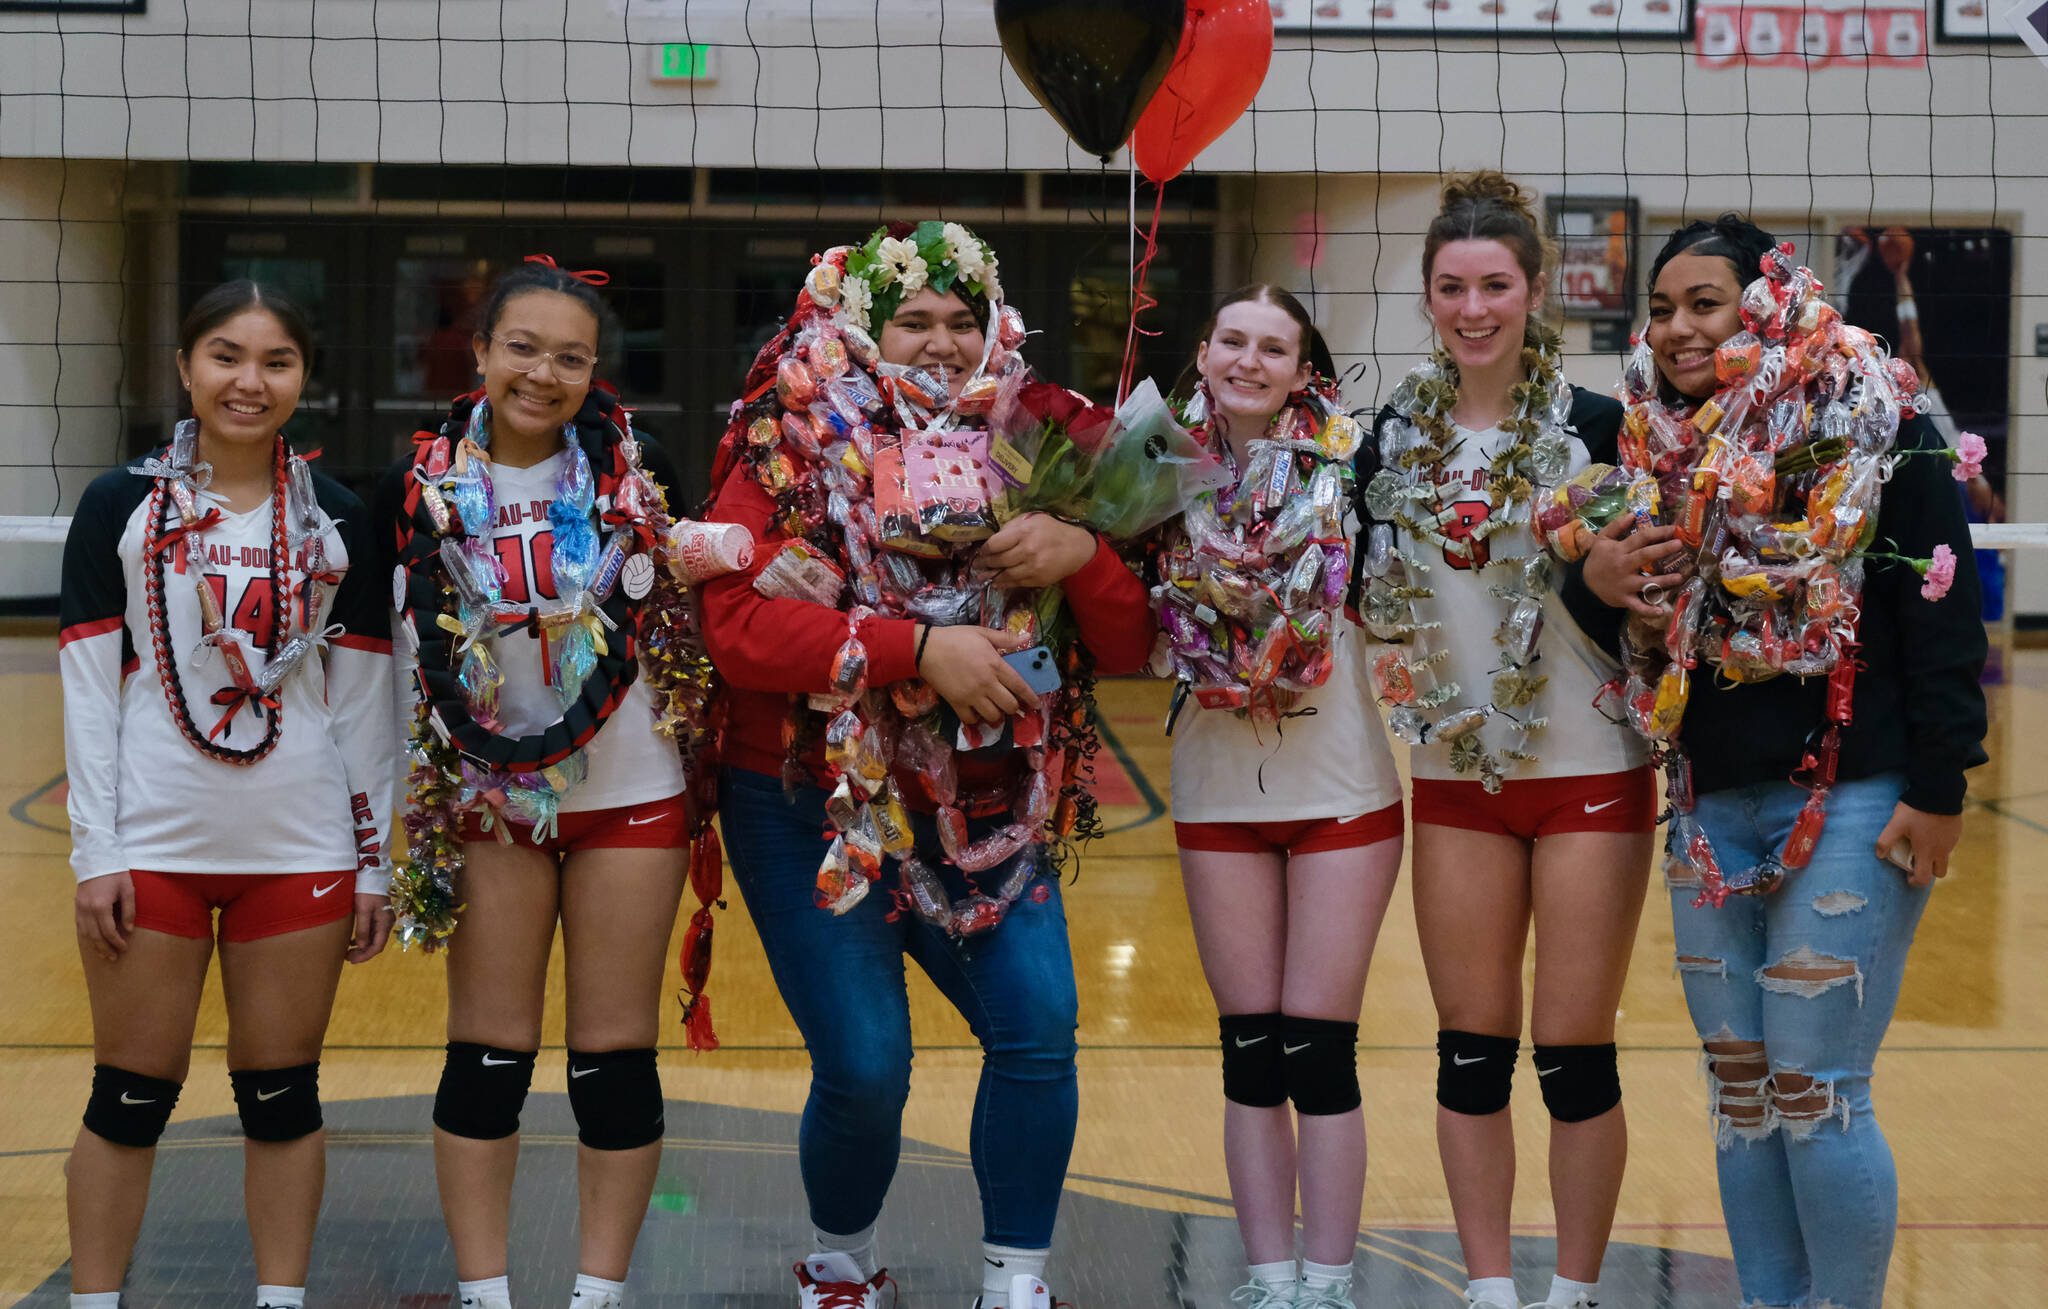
(587, 276)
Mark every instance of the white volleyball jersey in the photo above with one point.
(141, 795)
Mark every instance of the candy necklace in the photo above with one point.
(1251, 584)
(180, 478)
(449, 585)
(1775, 483)
(1410, 492)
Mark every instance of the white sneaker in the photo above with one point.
(1027, 1292)
(1579, 1301)
(485, 1302)
(1256, 1294)
(832, 1280)
(595, 1300)
(1337, 1295)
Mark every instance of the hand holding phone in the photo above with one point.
(1038, 669)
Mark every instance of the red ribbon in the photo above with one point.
(587, 276)
(210, 518)
(235, 697)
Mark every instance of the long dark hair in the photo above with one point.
(237, 297)
(537, 276)
(1313, 348)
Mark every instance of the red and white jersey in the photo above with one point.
(1578, 739)
(628, 763)
(141, 796)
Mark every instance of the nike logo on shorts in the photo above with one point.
(1596, 808)
(1242, 1043)
(493, 1063)
(642, 822)
(319, 891)
(129, 1099)
(272, 1095)
(581, 1072)
(1545, 1072)
(1290, 1049)
(1461, 1060)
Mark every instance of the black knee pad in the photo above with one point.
(1254, 1068)
(616, 1097)
(1474, 1073)
(128, 1108)
(1578, 1081)
(278, 1104)
(482, 1090)
(1322, 1064)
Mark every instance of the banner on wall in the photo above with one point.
(1596, 255)
(1811, 36)
(1491, 18)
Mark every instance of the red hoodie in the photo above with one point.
(768, 649)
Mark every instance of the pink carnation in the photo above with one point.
(1969, 456)
(1940, 573)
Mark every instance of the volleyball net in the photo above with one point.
(382, 160)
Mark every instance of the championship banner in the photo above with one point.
(1490, 18)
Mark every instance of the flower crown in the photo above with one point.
(901, 260)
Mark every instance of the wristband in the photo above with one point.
(917, 662)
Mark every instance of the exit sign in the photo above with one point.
(678, 61)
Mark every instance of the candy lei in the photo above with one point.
(452, 594)
(295, 522)
(1774, 483)
(1250, 589)
(827, 428)
(1411, 493)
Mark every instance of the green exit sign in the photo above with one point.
(678, 61)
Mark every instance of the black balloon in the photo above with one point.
(1093, 64)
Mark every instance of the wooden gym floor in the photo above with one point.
(1146, 1221)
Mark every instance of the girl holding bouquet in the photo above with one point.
(1286, 804)
(1529, 804)
(1817, 790)
(894, 785)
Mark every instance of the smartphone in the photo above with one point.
(1902, 854)
(1037, 668)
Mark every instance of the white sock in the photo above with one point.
(860, 1247)
(1564, 1291)
(1493, 1291)
(281, 1297)
(999, 1263)
(97, 1300)
(1321, 1277)
(485, 1289)
(1280, 1275)
(594, 1289)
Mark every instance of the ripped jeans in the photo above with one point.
(1791, 994)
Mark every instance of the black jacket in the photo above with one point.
(1919, 705)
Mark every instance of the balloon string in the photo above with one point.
(1140, 301)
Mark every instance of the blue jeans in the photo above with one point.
(843, 981)
(1811, 973)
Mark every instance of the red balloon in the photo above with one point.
(1224, 52)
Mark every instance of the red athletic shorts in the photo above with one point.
(1543, 806)
(252, 906)
(655, 825)
(1302, 836)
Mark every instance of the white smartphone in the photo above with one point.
(1902, 854)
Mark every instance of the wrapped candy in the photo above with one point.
(697, 552)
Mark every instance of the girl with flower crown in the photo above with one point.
(1795, 589)
(1286, 803)
(893, 785)
(1529, 804)
(224, 635)
(541, 792)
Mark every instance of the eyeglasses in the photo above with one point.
(523, 356)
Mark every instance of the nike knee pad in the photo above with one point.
(616, 1097)
(1322, 1064)
(1578, 1081)
(1474, 1074)
(1254, 1068)
(129, 1108)
(482, 1090)
(278, 1104)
